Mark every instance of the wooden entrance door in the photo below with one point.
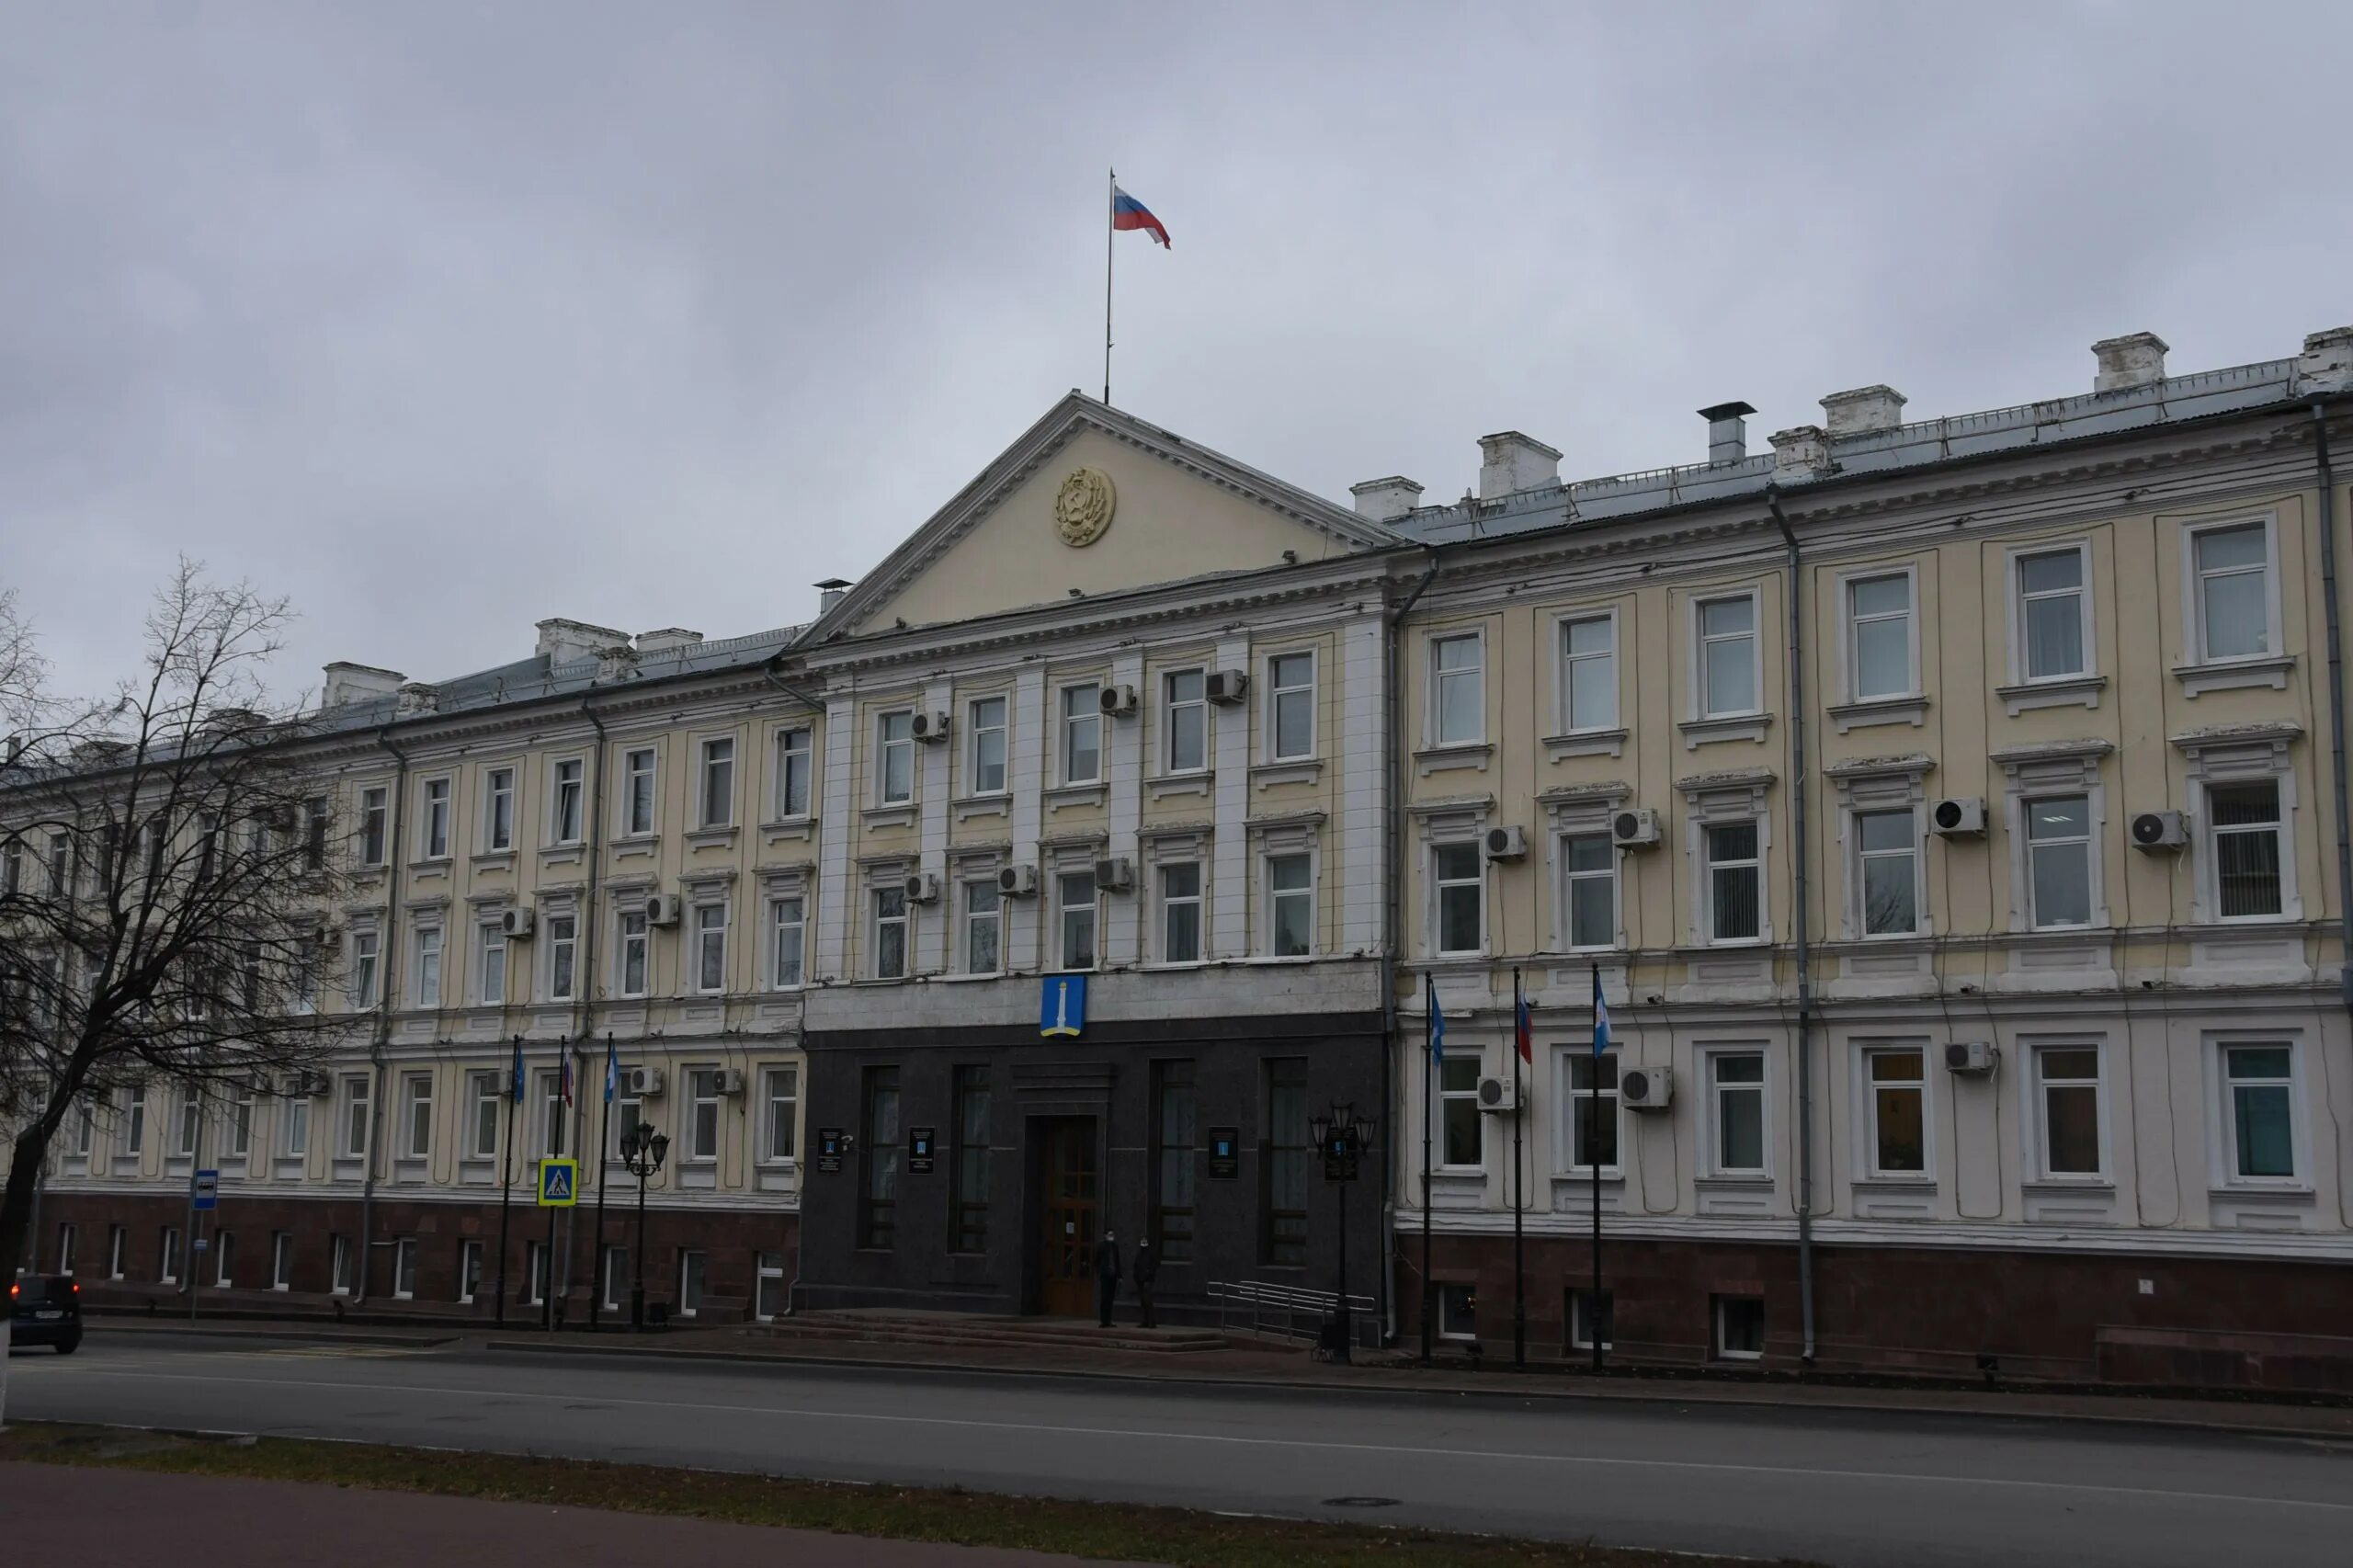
(1066, 1217)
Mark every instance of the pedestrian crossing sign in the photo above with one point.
(559, 1183)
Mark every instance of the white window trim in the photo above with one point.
(2221, 1124)
(1562, 906)
(2036, 1117)
(425, 800)
(907, 919)
(1477, 1057)
(768, 1075)
(1199, 900)
(1848, 671)
(1720, 1347)
(548, 943)
(778, 754)
(1165, 764)
(1561, 715)
(961, 891)
(490, 806)
(1704, 1060)
(2194, 599)
(1430, 695)
(880, 796)
(441, 936)
(776, 901)
(1703, 901)
(1458, 1336)
(383, 796)
(1063, 721)
(685, 1255)
(554, 838)
(1566, 1106)
(2023, 915)
(1060, 910)
(621, 954)
(1436, 898)
(405, 1250)
(623, 828)
(466, 1292)
(1268, 748)
(704, 821)
(1867, 1165)
(410, 1101)
(1696, 653)
(1850, 834)
(717, 1098)
(695, 931)
(973, 731)
(2207, 893)
(477, 1082)
(1266, 943)
(2014, 596)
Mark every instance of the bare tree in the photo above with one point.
(164, 868)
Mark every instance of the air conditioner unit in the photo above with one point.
(1115, 874)
(2160, 830)
(328, 936)
(731, 1082)
(1498, 1094)
(304, 1085)
(645, 1082)
(519, 924)
(1507, 843)
(1227, 686)
(931, 726)
(1634, 829)
(1119, 701)
(922, 888)
(1647, 1088)
(1973, 1057)
(661, 909)
(1018, 881)
(1963, 816)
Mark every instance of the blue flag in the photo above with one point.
(1600, 1015)
(1437, 1028)
(519, 1067)
(612, 1068)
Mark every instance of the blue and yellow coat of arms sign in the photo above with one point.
(1062, 1006)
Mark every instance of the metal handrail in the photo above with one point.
(1278, 1309)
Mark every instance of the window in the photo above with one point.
(191, 1120)
(630, 955)
(2054, 613)
(418, 1118)
(613, 1274)
(1458, 874)
(498, 809)
(355, 1118)
(1290, 700)
(1287, 1153)
(118, 1242)
(777, 1139)
(691, 1267)
(1458, 1310)
(86, 1130)
(2262, 1127)
(485, 1099)
(1590, 673)
(12, 867)
(1175, 1145)
(167, 1270)
(1740, 1328)
(1582, 1320)
(373, 816)
(702, 1113)
(281, 1260)
(629, 1109)
(890, 919)
(316, 812)
(60, 861)
(1589, 890)
(404, 1269)
(1082, 733)
(1462, 1139)
(1185, 710)
(1879, 636)
(718, 782)
(2059, 861)
(1075, 898)
(1887, 871)
(984, 927)
(1736, 1111)
(565, 818)
(535, 1272)
(1592, 1109)
(1458, 691)
(768, 1303)
(65, 1233)
(297, 1127)
(224, 1260)
(2243, 828)
(2067, 1085)
(1727, 653)
(134, 1120)
(1897, 1082)
(563, 947)
(302, 980)
(710, 947)
(341, 1275)
(429, 966)
(433, 838)
(878, 1220)
(469, 1271)
(364, 944)
(1290, 905)
(895, 768)
(968, 1197)
(1734, 873)
(552, 1109)
(637, 792)
(789, 928)
(794, 759)
(987, 723)
(2233, 604)
(1180, 913)
(491, 938)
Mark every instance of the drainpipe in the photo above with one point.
(397, 850)
(1392, 791)
(2336, 700)
(584, 1009)
(1801, 856)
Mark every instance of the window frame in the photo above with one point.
(1711, 1084)
(1565, 878)
(970, 919)
(1272, 897)
(1278, 692)
(641, 787)
(485, 1088)
(355, 1102)
(1858, 859)
(877, 919)
(1198, 707)
(781, 976)
(363, 975)
(1449, 1098)
(1197, 900)
(567, 801)
(281, 1260)
(562, 971)
(970, 1162)
(1068, 725)
(404, 1269)
(1434, 703)
(2196, 637)
(498, 809)
(1440, 884)
(1707, 865)
(624, 938)
(888, 745)
(2222, 1126)
(417, 1114)
(1852, 623)
(715, 760)
(2208, 850)
(1569, 1105)
(2022, 658)
(788, 1073)
(1564, 664)
(704, 931)
(792, 760)
(2094, 906)
(1697, 639)
(1089, 910)
(705, 1085)
(437, 817)
(431, 951)
(2037, 1084)
(975, 781)
(375, 827)
(1870, 1146)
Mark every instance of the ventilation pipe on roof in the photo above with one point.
(831, 592)
(1727, 432)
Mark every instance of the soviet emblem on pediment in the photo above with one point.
(1083, 506)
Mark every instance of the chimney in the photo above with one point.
(1727, 432)
(1511, 463)
(830, 593)
(2137, 360)
(1379, 500)
(2327, 363)
(564, 641)
(618, 661)
(358, 683)
(1862, 411)
(416, 698)
(667, 640)
(1799, 452)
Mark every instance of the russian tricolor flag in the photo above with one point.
(1127, 212)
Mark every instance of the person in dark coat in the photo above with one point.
(1147, 1270)
(1106, 1277)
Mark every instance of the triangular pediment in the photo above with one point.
(1094, 502)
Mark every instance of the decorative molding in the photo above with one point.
(1912, 709)
(2071, 691)
(2198, 679)
(1697, 732)
(1586, 742)
(1447, 758)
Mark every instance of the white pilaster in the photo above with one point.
(1361, 749)
(932, 924)
(1123, 913)
(1025, 745)
(836, 898)
(1229, 935)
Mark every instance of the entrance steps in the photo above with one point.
(888, 1326)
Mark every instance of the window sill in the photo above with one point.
(1612, 1175)
(899, 814)
(2077, 1185)
(1586, 742)
(1452, 757)
(633, 846)
(2286, 1190)
(1911, 709)
(1895, 1182)
(1697, 732)
(1276, 958)
(1735, 1181)
(2269, 671)
(562, 854)
(1169, 786)
(1064, 797)
(436, 865)
(721, 836)
(969, 807)
(967, 979)
(1300, 770)
(1181, 966)
(2055, 691)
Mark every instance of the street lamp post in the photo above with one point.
(1342, 1137)
(642, 1151)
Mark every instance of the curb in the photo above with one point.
(305, 1335)
(1287, 1385)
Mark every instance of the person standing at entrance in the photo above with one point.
(1147, 1270)
(1106, 1277)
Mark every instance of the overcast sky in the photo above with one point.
(443, 318)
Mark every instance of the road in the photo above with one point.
(1851, 1489)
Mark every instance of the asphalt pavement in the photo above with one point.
(1852, 1488)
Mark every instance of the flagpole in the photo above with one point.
(1430, 1072)
(604, 1142)
(1595, 1316)
(506, 1172)
(1519, 1199)
(1111, 200)
(555, 1142)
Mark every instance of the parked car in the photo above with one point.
(46, 1309)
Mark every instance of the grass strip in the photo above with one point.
(950, 1516)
